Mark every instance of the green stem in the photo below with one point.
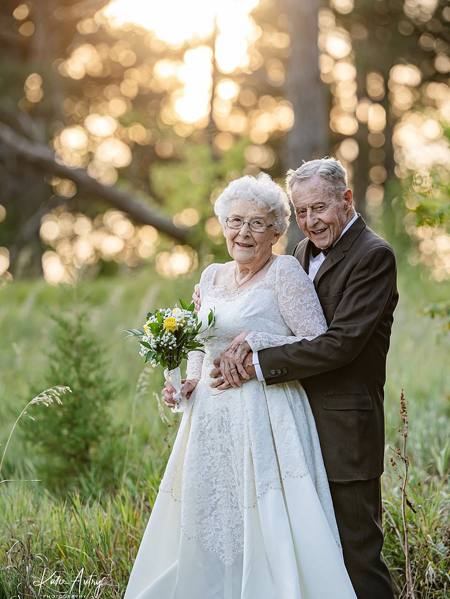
(11, 433)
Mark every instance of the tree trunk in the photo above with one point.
(308, 138)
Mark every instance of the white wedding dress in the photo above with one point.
(244, 509)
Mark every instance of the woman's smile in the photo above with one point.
(248, 247)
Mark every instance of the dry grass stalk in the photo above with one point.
(161, 409)
(47, 397)
(403, 477)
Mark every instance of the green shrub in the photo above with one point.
(77, 438)
(417, 524)
(429, 535)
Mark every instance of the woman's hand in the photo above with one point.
(232, 360)
(168, 392)
(218, 382)
(196, 298)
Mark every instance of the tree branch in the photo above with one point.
(39, 155)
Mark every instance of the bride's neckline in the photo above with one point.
(239, 291)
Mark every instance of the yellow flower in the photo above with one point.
(170, 324)
(176, 311)
(147, 330)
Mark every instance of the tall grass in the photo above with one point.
(99, 537)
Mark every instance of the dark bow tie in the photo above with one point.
(315, 251)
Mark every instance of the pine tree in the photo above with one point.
(70, 441)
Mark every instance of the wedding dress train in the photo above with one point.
(244, 509)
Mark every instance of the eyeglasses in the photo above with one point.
(256, 225)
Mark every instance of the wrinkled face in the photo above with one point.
(245, 246)
(320, 217)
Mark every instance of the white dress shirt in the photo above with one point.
(315, 262)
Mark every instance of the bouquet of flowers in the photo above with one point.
(167, 337)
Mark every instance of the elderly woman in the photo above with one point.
(244, 509)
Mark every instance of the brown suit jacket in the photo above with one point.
(344, 370)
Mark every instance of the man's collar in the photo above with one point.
(352, 233)
(346, 228)
(315, 251)
(354, 229)
(342, 245)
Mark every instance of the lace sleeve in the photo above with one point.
(194, 365)
(195, 358)
(298, 304)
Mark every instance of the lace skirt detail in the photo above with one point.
(234, 446)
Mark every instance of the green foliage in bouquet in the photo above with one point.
(170, 334)
(72, 442)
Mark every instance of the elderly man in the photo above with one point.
(343, 371)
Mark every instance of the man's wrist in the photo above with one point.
(258, 371)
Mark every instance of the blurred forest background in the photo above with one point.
(120, 123)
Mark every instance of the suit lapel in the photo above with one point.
(337, 253)
(333, 258)
(302, 253)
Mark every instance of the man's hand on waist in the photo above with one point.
(219, 382)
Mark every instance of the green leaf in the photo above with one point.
(134, 332)
(199, 349)
(182, 338)
(130, 335)
(149, 315)
(145, 344)
(154, 327)
(183, 304)
(194, 345)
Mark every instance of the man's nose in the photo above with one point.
(310, 217)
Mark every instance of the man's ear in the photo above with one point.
(348, 197)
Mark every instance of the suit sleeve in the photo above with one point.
(368, 292)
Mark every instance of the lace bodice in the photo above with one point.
(281, 308)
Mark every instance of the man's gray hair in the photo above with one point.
(264, 192)
(328, 169)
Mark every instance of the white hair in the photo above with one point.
(264, 192)
(328, 169)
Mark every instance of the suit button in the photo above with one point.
(272, 372)
(284, 371)
(279, 371)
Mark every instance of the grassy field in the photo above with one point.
(97, 532)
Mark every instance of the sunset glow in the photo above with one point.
(175, 22)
